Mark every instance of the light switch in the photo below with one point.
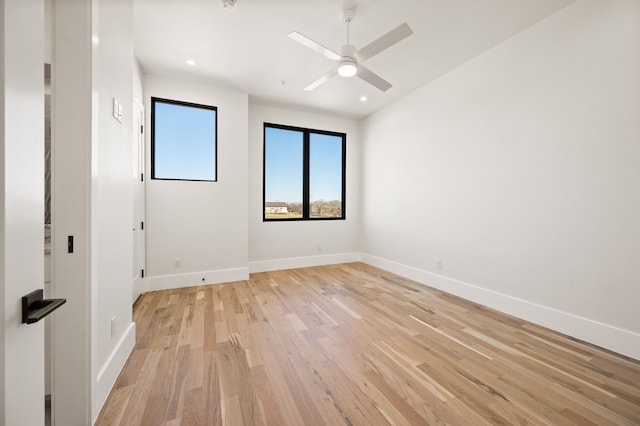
(115, 108)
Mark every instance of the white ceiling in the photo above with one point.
(248, 49)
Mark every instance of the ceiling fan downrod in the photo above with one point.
(348, 66)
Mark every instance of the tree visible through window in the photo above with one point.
(183, 140)
(304, 173)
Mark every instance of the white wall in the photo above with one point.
(21, 209)
(521, 171)
(202, 224)
(279, 245)
(112, 195)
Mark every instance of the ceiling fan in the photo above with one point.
(350, 60)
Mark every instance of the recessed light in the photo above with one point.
(363, 98)
(191, 62)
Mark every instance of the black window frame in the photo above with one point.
(305, 172)
(154, 100)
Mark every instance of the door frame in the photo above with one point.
(73, 138)
(139, 201)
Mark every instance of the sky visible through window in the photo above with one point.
(325, 167)
(184, 142)
(284, 164)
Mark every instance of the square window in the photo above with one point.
(183, 141)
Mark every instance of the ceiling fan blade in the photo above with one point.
(373, 79)
(389, 39)
(322, 79)
(306, 41)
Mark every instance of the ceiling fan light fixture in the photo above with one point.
(347, 68)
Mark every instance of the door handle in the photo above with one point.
(35, 306)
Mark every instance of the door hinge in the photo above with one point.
(141, 128)
(142, 273)
(141, 177)
(142, 226)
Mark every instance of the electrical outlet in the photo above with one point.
(439, 263)
(114, 326)
(177, 263)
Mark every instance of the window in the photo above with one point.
(183, 140)
(304, 174)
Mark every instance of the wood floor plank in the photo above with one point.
(351, 344)
(212, 410)
(115, 407)
(135, 405)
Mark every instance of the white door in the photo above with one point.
(138, 202)
(21, 209)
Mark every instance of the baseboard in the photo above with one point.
(302, 262)
(109, 372)
(622, 341)
(165, 282)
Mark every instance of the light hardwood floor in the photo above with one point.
(354, 345)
